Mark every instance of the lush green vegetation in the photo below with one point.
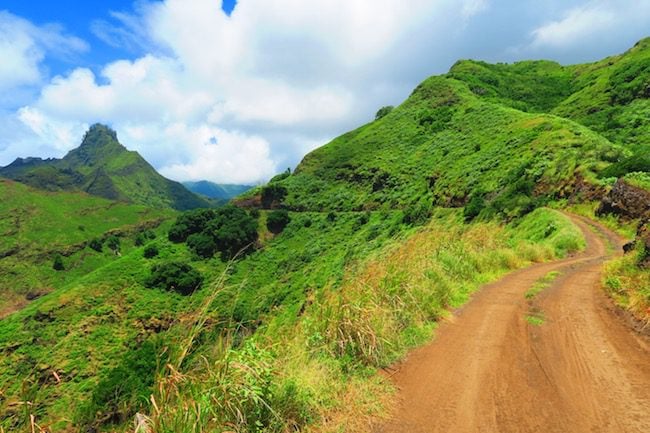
(350, 260)
(102, 166)
(37, 227)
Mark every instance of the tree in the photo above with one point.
(202, 244)
(190, 222)
(176, 276)
(277, 220)
(57, 265)
(383, 111)
(150, 251)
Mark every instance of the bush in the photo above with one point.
(139, 240)
(474, 207)
(383, 111)
(125, 389)
(150, 251)
(113, 242)
(57, 265)
(228, 229)
(96, 244)
(202, 245)
(277, 220)
(177, 276)
(417, 214)
(272, 194)
(189, 223)
(278, 177)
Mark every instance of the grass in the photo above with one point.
(629, 285)
(624, 280)
(536, 319)
(541, 284)
(37, 226)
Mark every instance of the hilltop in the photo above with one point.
(101, 166)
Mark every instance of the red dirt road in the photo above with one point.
(489, 370)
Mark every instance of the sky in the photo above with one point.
(234, 92)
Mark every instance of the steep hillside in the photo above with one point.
(38, 226)
(101, 166)
(445, 146)
(611, 96)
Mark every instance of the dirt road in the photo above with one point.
(490, 370)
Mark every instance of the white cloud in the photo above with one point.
(474, 7)
(23, 47)
(277, 78)
(599, 19)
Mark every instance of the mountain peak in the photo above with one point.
(100, 135)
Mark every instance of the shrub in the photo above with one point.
(474, 207)
(202, 245)
(417, 214)
(189, 223)
(139, 240)
(57, 265)
(113, 242)
(228, 229)
(177, 276)
(150, 251)
(272, 194)
(277, 220)
(96, 244)
(278, 177)
(125, 389)
(383, 111)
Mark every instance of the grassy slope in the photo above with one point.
(328, 300)
(442, 146)
(36, 225)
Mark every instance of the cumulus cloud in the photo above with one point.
(235, 98)
(594, 19)
(23, 47)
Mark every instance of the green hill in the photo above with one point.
(217, 191)
(101, 166)
(388, 226)
(37, 226)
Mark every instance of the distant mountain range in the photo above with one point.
(103, 167)
(216, 191)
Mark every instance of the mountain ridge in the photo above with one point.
(102, 166)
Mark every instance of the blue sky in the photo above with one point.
(79, 17)
(205, 91)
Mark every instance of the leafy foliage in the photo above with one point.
(277, 220)
(272, 194)
(174, 276)
(57, 264)
(227, 230)
(383, 111)
(150, 251)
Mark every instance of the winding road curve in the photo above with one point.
(490, 370)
